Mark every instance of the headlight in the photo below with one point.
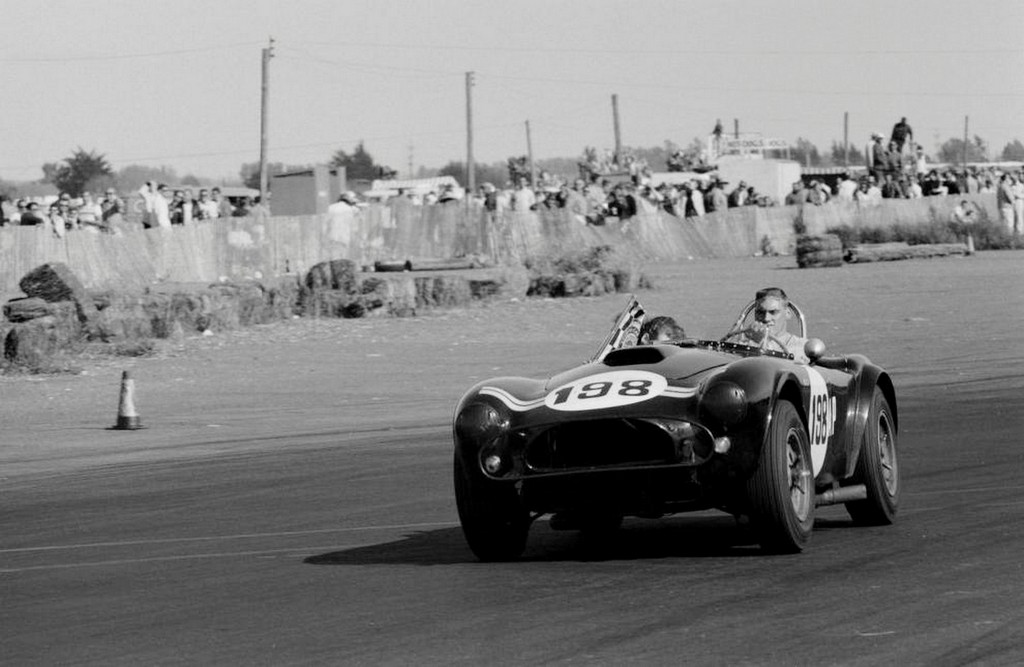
(726, 402)
(480, 422)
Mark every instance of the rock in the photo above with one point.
(56, 282)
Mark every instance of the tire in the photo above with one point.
(781, 490)
(878, 467)
(493, 520)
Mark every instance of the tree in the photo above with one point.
(1013, 152)
(358, 166)
(839, 155)
(805, 153)
(72, 175)
(953, 150)
(133, 176)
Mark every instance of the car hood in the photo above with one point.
(677, 365)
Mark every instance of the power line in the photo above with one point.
(125, 56)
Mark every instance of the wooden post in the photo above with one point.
(470, 165)
(615, 122)
(846, 138)
(268, 53)
(529, 156)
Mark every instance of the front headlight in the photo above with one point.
(725, 402)
(480, 422)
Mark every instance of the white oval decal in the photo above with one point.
(606, 390)
(821, 419)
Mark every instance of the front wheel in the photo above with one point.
(781, 490)
(493, 519)
(877, 467)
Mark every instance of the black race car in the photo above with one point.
(649, 430)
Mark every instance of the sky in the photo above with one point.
(178, 83)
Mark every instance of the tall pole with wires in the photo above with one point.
(268, 53)
(529, 156)
(470, 165)
(615, 124)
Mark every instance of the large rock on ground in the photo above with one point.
(56, 282)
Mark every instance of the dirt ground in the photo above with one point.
(952, 324)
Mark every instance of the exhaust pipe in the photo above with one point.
(842, 494)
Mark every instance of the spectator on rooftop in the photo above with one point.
(901, 134)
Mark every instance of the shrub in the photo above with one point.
(988, 234)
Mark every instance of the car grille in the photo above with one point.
(608, 443)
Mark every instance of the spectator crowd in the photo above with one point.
(160, 207)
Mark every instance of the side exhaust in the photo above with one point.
(842, 494)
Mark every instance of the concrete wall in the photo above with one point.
(260, 247)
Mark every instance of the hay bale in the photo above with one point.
(57, 282)
(34, 343)
(28, 308)
(819, 251)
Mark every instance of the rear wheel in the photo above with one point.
(781, 490)
(878, 467)
(493, 519)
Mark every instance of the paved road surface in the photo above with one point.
(291, 499)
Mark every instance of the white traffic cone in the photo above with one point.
(127, 417)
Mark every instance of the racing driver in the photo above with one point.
(771, 312)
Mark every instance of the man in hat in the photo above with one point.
(714, 198)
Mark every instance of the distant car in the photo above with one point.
(650, 430)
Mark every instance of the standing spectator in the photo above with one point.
(205, 207)
(847, 186)
(738, 197)
(798, 195)
(90, 213)
(112, 208)
(878, 160)
(188, 208)
(176, 209)
(920, 162)
(817, 194)
(1018, 202)
(971, 182)
(574, 200)
(714, 198)
(901, 134)
(56, 222)
(890, 189)
(32, 216)
(696, 200)
(1004, 200)
(157, 209)
(224, 208)
(894, 161)
(523, 198)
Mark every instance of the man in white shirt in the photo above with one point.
(157, 210)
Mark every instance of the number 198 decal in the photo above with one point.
(606, 390)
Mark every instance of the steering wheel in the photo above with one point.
(768, 338)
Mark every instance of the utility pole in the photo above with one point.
(470, 165)
(846, 138)
(964, 159)
(268, 53)
(529, 156)
(411, 175)
(615, 123)
(735, 128)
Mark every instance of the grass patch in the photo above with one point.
(988, 234)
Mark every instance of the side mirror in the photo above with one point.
(814, 348)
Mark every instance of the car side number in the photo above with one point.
(821, 418)
(606, 390)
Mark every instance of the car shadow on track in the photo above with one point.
(675, 537)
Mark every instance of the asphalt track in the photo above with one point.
(291, 502)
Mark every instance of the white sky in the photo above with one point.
(178, 84)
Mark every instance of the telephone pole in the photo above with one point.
(529, 156)
(964, 154)
(615, 122)
(846, 138)
(470, 165)
(268, 53)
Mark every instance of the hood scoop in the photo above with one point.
(631, 356)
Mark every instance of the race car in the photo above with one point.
(648, 430)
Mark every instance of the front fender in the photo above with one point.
(871, 376)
